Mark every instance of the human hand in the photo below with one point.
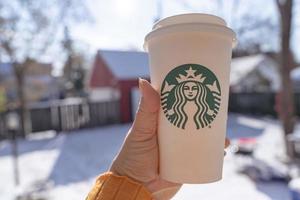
(138, 158)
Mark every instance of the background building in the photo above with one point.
(40, 85)
(115, 76)
(255, 73)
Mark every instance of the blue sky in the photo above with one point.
(122, 24)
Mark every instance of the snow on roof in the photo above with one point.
(133, 64)
(126, 64)
(241, 66)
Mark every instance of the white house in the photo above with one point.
(256, 73)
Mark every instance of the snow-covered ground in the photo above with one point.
(65, 166)
(235, 186)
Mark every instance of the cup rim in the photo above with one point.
(191, 27)
(189, 18)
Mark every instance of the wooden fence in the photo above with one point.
(258, 103)
(2, 126)
(66, 115)
(252, 103)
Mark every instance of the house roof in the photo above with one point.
(242, 66)
(133, 64)
(126, 64)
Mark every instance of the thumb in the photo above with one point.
(138, 158)
(146, 116)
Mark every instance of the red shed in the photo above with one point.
(115, 76)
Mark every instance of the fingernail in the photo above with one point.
(141, 86)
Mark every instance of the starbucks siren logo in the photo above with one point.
(190, 84)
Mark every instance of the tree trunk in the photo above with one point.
(285, 63)
(24, 113)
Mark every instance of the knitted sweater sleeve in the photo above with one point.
(109, 186)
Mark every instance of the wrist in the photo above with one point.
(115, 169)
(120, 171)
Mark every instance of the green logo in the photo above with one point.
(190, 94)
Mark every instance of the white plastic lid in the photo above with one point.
(190, 22)
(189, 18)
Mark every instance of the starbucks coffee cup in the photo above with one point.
(189, 59)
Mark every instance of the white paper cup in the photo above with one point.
(189, 59)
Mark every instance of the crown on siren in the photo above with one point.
(190, 76)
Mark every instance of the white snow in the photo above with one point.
(65, 166)
(235, 186)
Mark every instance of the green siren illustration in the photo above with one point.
(186, 84)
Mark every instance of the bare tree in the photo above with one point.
(73, 71)
(268, 31)
(28, 29)
(286, 62)
(252, 28)
(271, 31)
